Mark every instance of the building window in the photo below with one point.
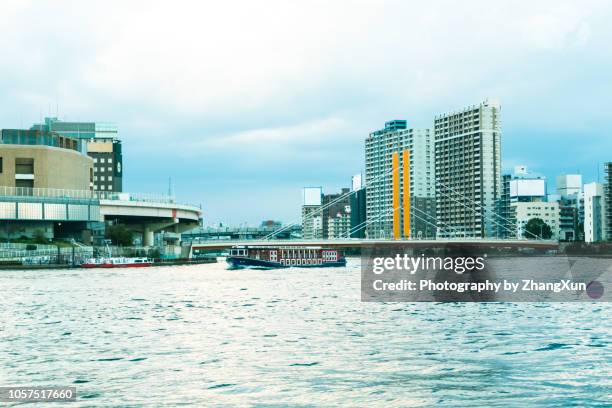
(102, 160)
(110, 178)
(110, 161)
(102, 178)
(24, 166)
(24, 183)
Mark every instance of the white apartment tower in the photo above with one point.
(468, 170)
(415, 149)
(594, 213)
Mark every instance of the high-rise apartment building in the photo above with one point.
(468, 170)
(411, 153)
(594, 213)
(103, 146)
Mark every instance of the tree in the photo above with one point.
(39, 237)
(119, 235)
(537, 228)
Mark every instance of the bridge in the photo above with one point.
(151, 214)
(69, 211)
(474, 243)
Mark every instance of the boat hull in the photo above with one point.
(110, 265)
(243, 262)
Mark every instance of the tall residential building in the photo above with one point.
(608, 200)
(468, 170)
(103, 146)
(594, 213)
(312, 219)
(413, 153)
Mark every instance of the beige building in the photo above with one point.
(546, 211)
(40, 166)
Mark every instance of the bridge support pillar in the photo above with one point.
(147, 236)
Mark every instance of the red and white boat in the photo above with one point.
(117, 262)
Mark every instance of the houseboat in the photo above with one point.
(271, 257)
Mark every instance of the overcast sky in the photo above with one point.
(244, 103)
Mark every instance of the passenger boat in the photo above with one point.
(117, 262)
(271, 257)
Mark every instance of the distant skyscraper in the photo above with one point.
(383, 148)
(103, 146)
(468, 170)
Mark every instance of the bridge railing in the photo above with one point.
(6, 191)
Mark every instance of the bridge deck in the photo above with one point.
(360, 243)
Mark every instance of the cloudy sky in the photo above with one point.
(242, 103)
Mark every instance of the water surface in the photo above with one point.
(204, 335)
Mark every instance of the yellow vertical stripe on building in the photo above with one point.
(406, 173)
(396, 197)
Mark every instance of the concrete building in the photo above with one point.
(594, 213)
(400, 169)
(312, 218)
(608, 201)
(521, 186)
(45, 182)
(358, 208)
(333, 205)
(569, 184)
(468, 170)
(339, 224)
(525, 211)
(35, 159)
(103, 146)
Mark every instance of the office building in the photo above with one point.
(103, 146)
(34, 159)
(525, 211)
(339, 223)
(400, 177)
(333, 206)
(45, 186)
(569, 184)
(468, 170)
(312, 218)
(521, 186)
(594, 213)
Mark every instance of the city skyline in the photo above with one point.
(298, 112)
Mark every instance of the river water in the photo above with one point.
(203, 335)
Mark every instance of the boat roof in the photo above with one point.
(275, 247)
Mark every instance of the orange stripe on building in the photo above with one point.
(396, 198)
(406, 174)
